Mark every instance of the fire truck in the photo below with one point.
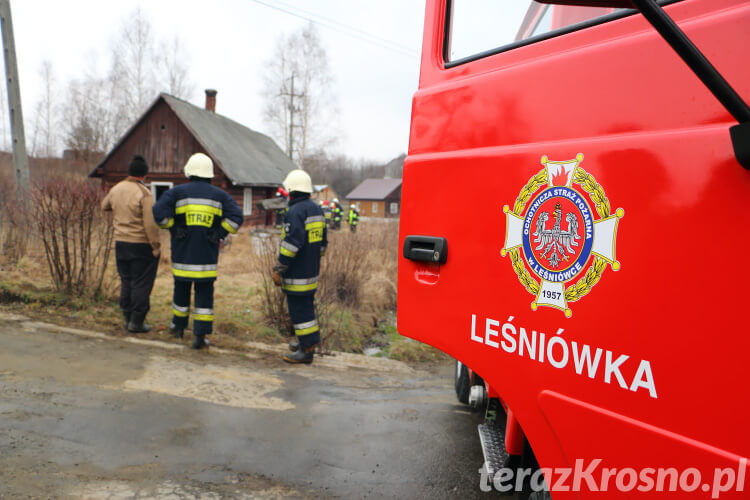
(594, 293)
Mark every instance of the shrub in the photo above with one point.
(76, 235)
(263, 255)
(13, 224)
(357, 284)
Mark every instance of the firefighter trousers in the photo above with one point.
(304, 322)
(137, 267)
(203, 309)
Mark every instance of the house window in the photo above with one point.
(357, 205)
(374, 207)
(247, 201)
(159, 188)
(394, 208)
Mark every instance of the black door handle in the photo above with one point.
(426, 249)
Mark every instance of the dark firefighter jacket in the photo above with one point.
(197, 215)
(336, 210)
(304, 241)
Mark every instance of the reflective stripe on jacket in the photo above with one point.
(197, 215)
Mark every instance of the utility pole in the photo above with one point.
(292, 110)
(20, 159)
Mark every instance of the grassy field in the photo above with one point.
(356, 301)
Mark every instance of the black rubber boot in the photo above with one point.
(126, 316)
(293, 344)
(301, 355)
(199, 342)
(137, 325)
(176, 332)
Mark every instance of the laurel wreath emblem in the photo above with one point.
(584, 285)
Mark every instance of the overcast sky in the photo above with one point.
(229, 40)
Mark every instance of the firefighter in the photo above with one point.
(137, 246)
(199, 216)
(336, 212)
(304, 241)
(327, 212)
(353, 218)
(281, 212)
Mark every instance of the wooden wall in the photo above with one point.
(166, 144)
(383, 207)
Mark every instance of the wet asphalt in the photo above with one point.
(74, 424)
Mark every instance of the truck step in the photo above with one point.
(492, 437)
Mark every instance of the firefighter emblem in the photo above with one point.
(553, 235)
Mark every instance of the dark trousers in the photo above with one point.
(302, 312)
(203, 310)
(137, 267)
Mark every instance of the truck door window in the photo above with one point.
(476, 28)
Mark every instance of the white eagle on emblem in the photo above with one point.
(556, 241)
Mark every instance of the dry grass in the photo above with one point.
(356, 299)
(354, 316)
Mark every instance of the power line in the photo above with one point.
(346, 26)
(341, 28)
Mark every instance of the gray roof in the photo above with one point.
(374, 189)
(246, 156)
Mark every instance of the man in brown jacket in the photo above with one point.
(137, 246)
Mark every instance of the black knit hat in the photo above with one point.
(138, 166)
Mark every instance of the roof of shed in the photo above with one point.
(374, 189)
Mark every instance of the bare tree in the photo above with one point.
(299, 104)
(44, 131)
(341, 172)
(173, 71)
(132, 74)
(98, 109)
(90, 116)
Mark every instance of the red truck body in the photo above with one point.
(631, 344)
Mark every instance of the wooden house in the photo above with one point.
(323, 192)
(377, 198)
(247, 164)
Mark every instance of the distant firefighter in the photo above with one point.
(336, 211)
(327, 212)
(281, 212)
(353, 218)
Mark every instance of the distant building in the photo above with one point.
(377, 198)
(324, 192)
(247, 164)
(394, 169)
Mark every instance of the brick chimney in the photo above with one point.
(211, 100)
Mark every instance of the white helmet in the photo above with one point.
(352, 206)
(199, 165)
(335, 200)
(298, 180)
